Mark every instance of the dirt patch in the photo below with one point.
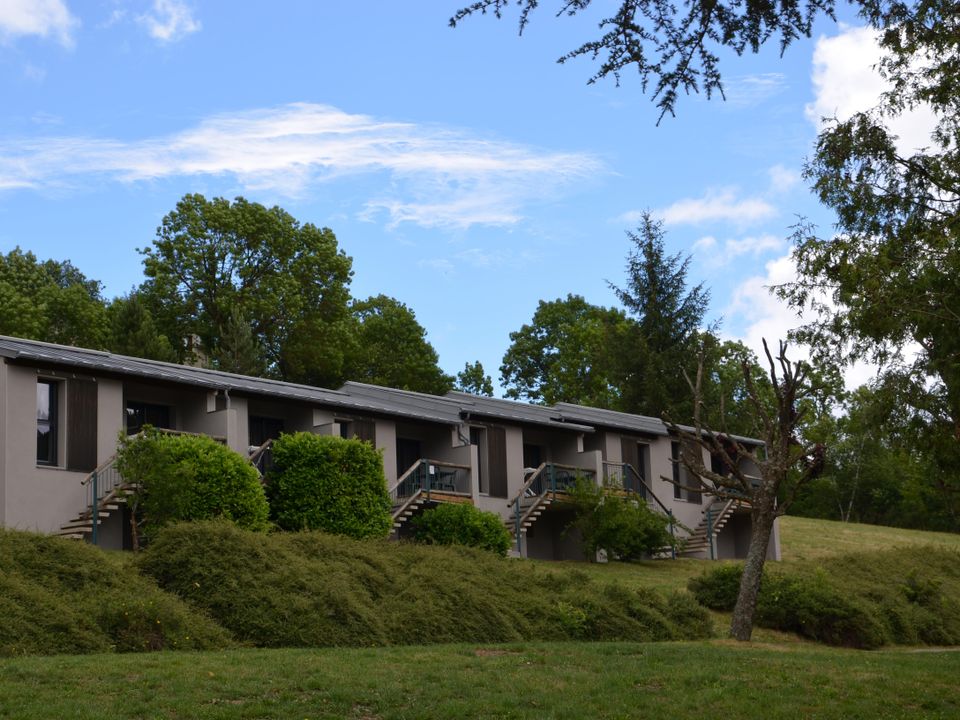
(493, 652)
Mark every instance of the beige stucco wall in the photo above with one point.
(35, 497)
(386, 441)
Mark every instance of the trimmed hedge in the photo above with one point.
(191, 477)
(906, 596)
(314, 589)
(328, 483)
(461, 524)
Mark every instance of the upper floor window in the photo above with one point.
(141, 413)
(47, 419)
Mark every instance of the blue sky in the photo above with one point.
(466, 172)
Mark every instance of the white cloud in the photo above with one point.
(46, 18)
(170, 21)
(716, 205)
(759, 314)
(782, 178)
(709, 251)
(704, 244)
(431, 176)
(748, 90)
(846, 81)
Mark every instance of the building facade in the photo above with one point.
(62, 410)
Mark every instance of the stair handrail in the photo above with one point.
(256, 457)
(527, 483)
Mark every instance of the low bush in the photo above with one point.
(315, 589)
(190, 477)
(621, 525)
(328, 483)
(903, 596)
(461, 524)
(59, 596)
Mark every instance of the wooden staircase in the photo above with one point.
(425, 484)
(715, 517)
(81, 527)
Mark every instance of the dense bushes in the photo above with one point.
(58, 596)
(190, 477)
(310, 589)
(618, 524)
(905, 596)
(328, 483)
(461, 524)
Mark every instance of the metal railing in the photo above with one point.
(431, 476)
(547, 479)
(262, 458)
(626, 476)
(99, 484)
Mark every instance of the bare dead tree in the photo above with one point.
(783, 463)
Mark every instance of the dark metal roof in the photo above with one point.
(359, 397)
(512, 410)
(95, 360)
(406, 402)
(611, 419)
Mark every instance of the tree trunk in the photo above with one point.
(762, 517)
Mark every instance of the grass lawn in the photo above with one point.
(557, 680)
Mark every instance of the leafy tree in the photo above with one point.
(390, 348)
(461, 524)
(288, 280)
(677, 48)
(134, 332)
(667, 316)
(327, 483)
(238, 351)
(472, 379)
(50, 301)
(566, 354)
(886, 284)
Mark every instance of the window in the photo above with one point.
(140, 414)
(263, 429)
(680, 475)
(47, 418)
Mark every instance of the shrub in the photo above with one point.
(314, 589)
(328, 483)
(622, 525)
(862, 600)
(60, 596)
(190, 477)
(461, 524)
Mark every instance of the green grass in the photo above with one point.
(808, 539)
(702, 680)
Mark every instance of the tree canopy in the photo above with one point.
(289, 281)
(389, 347)
(566, 354)
(676, 49)
(51, 301)
(885, 285)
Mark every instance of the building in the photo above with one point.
(63, 408)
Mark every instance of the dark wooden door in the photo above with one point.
(497, 461)
(81, 425)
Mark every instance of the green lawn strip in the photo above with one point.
(532, 680)
(809, 539)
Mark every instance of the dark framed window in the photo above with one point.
(140, 414)
(264, 428)
(48, 416)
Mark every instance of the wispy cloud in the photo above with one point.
(782, 178)
(710, 251)
(421, 174)
(170, 21)
(716, 205)
(45, 18)
(748, 90)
